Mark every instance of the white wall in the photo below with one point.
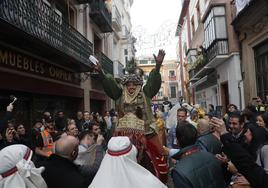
(230, 71)
(208, 96)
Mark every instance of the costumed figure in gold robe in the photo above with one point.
(135, 117)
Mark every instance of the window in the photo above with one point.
(72, 17)
(144, 62)
(152, 61)
(261, 63)
(97, 43)
(173, 92)
(172, 73)
(215, 25)
(126, 60)
(160, 93)
(193, 26)
(125, 52)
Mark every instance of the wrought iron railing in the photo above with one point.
(218, 47)
(117, 18)
(101, 15)
(106, 62)
(38, 19)
(172, 78)
(191, 73)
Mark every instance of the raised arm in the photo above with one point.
(109, 84)
(153, 83)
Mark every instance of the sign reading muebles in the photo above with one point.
(18, 61)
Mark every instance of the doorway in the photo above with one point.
(261, 56)
(224, 96)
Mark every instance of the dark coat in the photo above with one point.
(244, 162)
(4, 120)
(196, 168)
(79, 124)
(209, 143)
(62, 173)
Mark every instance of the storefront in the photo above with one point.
(38, 85)
(99, 101)
(41, 58)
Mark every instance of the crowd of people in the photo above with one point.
(52, 140)
(139, 144)
(214, 152)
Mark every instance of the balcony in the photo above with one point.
(250, 16)
(217, 52)
(125, 34)
(172, 78)
(33, 26)
(101, 16)
(106, 62)
(214, 55)
(116, 19)
(191, 73)
(118, 69)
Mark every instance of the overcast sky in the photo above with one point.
(155, 17)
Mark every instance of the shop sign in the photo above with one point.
(12, 59)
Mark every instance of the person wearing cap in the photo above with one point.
(17, 169)
(133, 103)
(120, 168)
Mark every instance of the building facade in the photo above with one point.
(169, 74)
(44, 51)
(251, 24)
(123, 41)
(209, 54)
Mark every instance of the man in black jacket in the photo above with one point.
(195, 167)
(60, 171)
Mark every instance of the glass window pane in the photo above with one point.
(213, 30)
(218, 11)
(220, 27)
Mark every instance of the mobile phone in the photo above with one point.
(219, 112)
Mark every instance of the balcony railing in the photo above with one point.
(40, 21)
(117, 19)
(191, 72)
(172, 78)
(197, 65)
(125, 32)
(101, 15)
(106, 62)
(218, 47)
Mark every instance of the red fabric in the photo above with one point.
(118, 153)
(14, 169)
(153, 149)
